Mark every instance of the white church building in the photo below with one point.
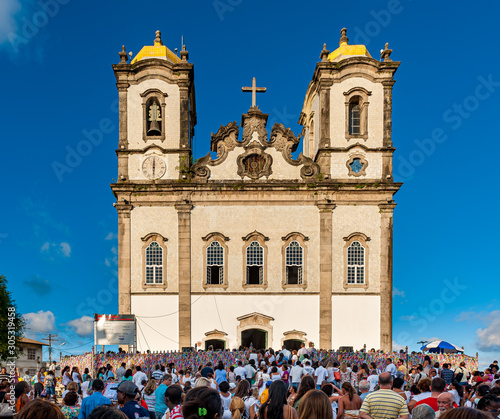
(254, 247)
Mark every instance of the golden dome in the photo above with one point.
(347, 51)
(158, 50)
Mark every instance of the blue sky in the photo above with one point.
(58, 232)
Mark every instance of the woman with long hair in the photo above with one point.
(345, 374)
(148, 394)
(349, 403)
(40, 382)
(307, 383)
(66, 376)
(237, 408)
(364, 372)
(128, 375)
(427, 364)
(315, 405)
(244, 392)
(276, 406)
(220, 373)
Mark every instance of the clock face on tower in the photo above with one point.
(154, 167)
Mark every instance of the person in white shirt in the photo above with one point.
(373, 380)
(138, 377)
(85, 386)
(120, 372)
(240, 370)
(321, 375)
(391, 368)
(286, 353)
(302, 350)
(308, 369)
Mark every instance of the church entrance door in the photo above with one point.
(292, 344)
(216, 344)
(254, 337)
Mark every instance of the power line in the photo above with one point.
(165, 315)
(51, 339)
(161, 334)
(144, 337)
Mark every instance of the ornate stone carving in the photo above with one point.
(254, 121)
(224, 141)
(254, 163)
(284, 140)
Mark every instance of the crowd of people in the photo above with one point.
(263, 384)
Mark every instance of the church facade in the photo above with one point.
(251, 246)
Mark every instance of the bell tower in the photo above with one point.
(157, 113)
(157, 116)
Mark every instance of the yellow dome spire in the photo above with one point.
(346, 51)
(158, 50)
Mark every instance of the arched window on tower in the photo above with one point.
(355, 263)
(215, 264)
(311, 139)
(294, 263)
(154, 263)
(255, 264)
(153, 118)
(354, 117)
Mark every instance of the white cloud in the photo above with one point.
(41, 321)
(111, 236)
(488, 339)
(65, 249)
(83, 326)
(62, 248)
(397, 347)
(395, 291)
(8, 11)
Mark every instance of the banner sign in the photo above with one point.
(114, 329)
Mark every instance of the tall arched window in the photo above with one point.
(356, 112)
(294, 263)
(255, 264)
(355, 263)
(354, 117)
(154, 264)
(215, 264)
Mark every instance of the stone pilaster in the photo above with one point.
(325, 275)
(123, 131)
(124, 284)
(324, 118)
(387, 141)
(386, 212)
(184, 261)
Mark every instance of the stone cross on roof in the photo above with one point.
(254, 89)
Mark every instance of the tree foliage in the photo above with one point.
(11, 323)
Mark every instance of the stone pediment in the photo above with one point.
(215, 332)
(254, 320)
(256, 155)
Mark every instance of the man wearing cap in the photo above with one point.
(96, 399)
(125, 394)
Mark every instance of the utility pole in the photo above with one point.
(50, 339)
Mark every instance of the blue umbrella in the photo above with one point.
(441, 347)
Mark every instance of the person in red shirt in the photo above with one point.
(173, 400)
(437, 387)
